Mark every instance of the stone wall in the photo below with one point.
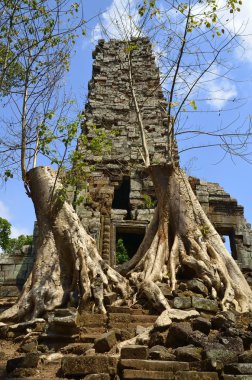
(16, 267)
(228, 218)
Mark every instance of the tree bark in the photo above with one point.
(67, 258)
(181, 236)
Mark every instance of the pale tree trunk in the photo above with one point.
(181, 236)
(67, 257)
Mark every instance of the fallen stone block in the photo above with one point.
(201, 324)
(160, 353)
(188, 354)
(205, 304)
(182, 302)
(197, 286)
(238, 369)
(30, 360)
(221, 355)
(179, 334)
(105, 342)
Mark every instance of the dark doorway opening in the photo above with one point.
(121, 199)
(127, 243)
(228, 237)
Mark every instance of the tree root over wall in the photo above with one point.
(67, 257)
(179, 236)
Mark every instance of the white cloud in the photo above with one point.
(241, 23)
(4, 211)
(120, 20)
(16, 231)
(220, 89)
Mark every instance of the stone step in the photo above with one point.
(86, 319)
(194, 375)
(129, 326)
(144, 319)
(132, 374)
(237, 377)
(79, 366)
(154, 365)
(127, 310)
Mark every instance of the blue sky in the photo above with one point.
(235, 176)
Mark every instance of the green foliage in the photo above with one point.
(207, 19)
(16, 244)
(15, 73)
(10, 245)
(149, 203)
(5, 230)
(121, 252)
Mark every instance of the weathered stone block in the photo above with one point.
(239, 368)
(201, 324)
(193, 375)
(182, 302)
(31, 360)
(134, 352)
(197, 286)
(84, 365)
(205, 304)
(132, 374)
(105, 342)
(160, 353)
(154, 365)
(188, 354)
(221, 355)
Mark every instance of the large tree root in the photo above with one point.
(181, 236)
(67, 258)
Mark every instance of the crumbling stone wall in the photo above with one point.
(228, 218)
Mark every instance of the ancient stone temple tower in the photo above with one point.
(120, 195)
(120, 199)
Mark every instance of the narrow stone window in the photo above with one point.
(121, 199)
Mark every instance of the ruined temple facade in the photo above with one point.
(120, 198)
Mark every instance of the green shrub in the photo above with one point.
(121, 252)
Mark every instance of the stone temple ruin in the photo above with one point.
(199, 341)
(120, 196)
(120, 199)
